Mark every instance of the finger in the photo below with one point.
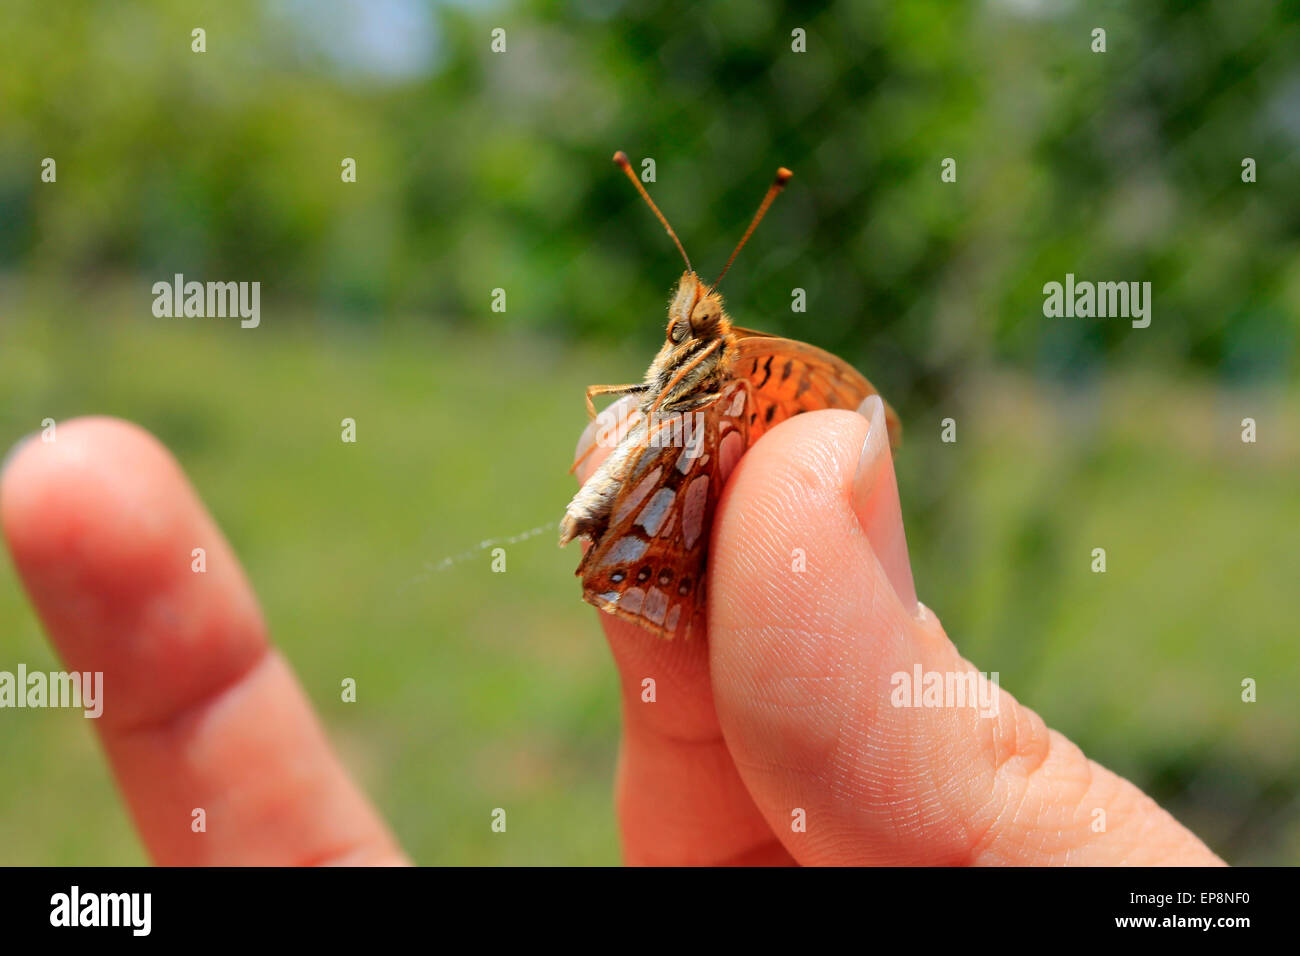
(810, 668)
(199, 714)
(680, 799)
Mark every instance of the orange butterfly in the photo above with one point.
(709, 394)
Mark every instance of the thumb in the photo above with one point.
(815, 636)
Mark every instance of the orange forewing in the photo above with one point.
(790, 377)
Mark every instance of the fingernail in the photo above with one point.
(875, 502)
(12, 453)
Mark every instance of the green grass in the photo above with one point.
(481, 690)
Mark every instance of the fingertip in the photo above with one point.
(106, 500)
(788, 553)
(78, 462)
(839, 702)
(127, 570)
(804, 626)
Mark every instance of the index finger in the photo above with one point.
(199, 712)
(680, 798)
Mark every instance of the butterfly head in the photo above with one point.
(692, 365)
(699, 346)
(695, 313)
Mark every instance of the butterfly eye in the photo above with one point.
(704, 320)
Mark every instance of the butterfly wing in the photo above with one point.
(648, 566)
(790, 377)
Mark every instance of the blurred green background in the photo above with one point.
(479, 170)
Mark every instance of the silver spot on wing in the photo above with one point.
(632, 501)
(656, 606)
(697, 496)
(626, 550)
(656, 509)
(729, 451)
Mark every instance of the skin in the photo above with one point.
(781, 708)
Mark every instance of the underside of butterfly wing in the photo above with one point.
(790, 377)
(648, 565)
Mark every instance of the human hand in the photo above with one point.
(205, 714)
(200, 712)
(787, 707)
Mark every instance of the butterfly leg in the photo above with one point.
(692, 404)
(593, 390)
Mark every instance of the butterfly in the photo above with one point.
(710, 393)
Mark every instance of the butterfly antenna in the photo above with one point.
(782, 177)
(621, 158)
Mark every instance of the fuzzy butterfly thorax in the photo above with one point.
(710, 393)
